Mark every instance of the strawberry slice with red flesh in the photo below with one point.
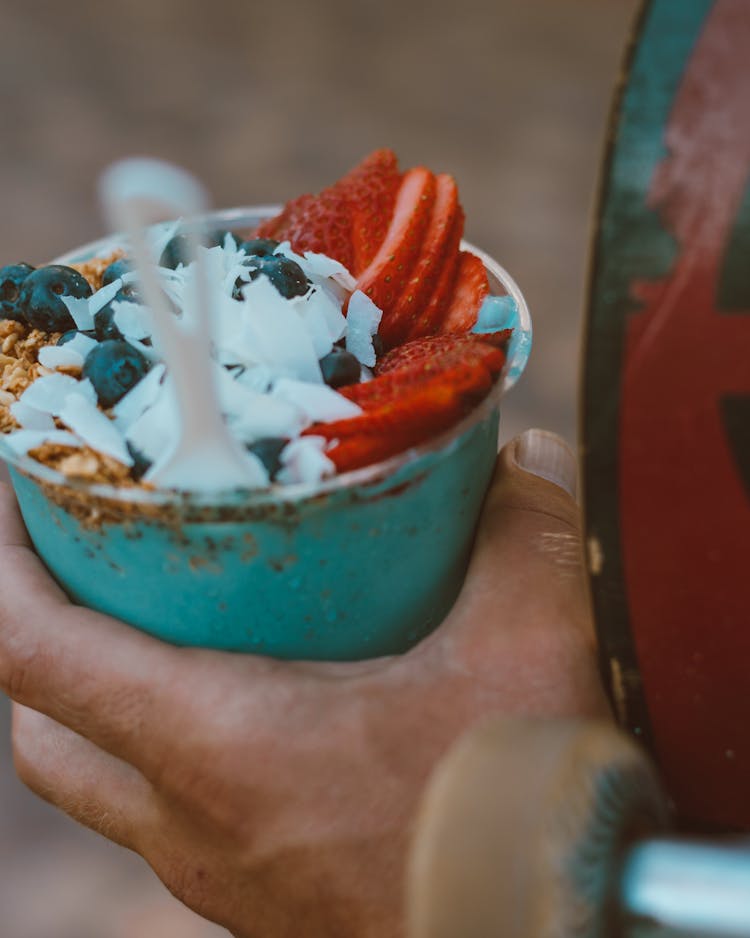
(348, 220)
(433, 311)
(386, 277)
(429, 353)
(320, 223)
(469, 291)
(371, 190)
(427, 387)
(422, 283)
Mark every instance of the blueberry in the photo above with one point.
(177, 250)
(114, 367)
(339, 368)
(268, 450)
(285, 274)
(12, 279)
(104, 322)
(41, 297)
(72, 333)
(378, 345)
(260, 247)
(116, 270)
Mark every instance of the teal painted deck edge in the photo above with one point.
(629, 243)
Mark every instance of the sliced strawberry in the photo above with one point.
(469, 290)
(348, 220)
(320, 223)
(428, 386)
(433, 311)
(371, 190)
(426, 272)
(387, 275)
(432, 353)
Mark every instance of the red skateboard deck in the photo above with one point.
(666, 404)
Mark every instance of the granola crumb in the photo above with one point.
(93, 270)
(82, 463)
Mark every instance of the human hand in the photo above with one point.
(275, 798)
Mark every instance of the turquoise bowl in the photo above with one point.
(358, 566)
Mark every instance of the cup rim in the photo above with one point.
(373, 473)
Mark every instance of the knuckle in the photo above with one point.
(22, 667)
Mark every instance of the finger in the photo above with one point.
(522, 618)
(93, 787)
(130, 694)
(530, 528)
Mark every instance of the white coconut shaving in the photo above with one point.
(100, 299)
(60, 356)
(21, 441)
(133, 320)
(80, 311)
(318, 402)
(363, 319)
(49, 393)
(30, 418)
(154, 432)
(94, 428)
(304, 460)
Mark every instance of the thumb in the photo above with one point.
(521, 626)
(527, 562)
(530, 518)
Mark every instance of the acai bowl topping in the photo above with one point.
(347, 329)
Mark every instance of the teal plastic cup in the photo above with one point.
(361, 565)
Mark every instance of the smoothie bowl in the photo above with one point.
(369, 418)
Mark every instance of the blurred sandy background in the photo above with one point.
(265, 101)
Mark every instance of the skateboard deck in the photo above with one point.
(666, 404)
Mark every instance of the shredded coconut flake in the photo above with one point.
(304, 460)
(60, 356)
(94, 428)
(30, 418)
(80, 311)
(317, 401)
(363, 318)
(133, 320)
(21, 441)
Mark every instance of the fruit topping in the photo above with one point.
(341, 333)
(340, 368)
(348, 221)
(116, 270)
(114, 367)
(43, 294)
(370, 189)
(285, 274)
(400, 235)
(407, 316)
(385, 279)
(104, 323)
(12, 279)
(468, 294)
(260, 247)
(268, 450)
(421, 389)
(177, 250)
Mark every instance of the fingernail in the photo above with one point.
(544, 454)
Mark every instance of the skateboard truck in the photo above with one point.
(555, 829)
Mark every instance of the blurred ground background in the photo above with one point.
(265, 101)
